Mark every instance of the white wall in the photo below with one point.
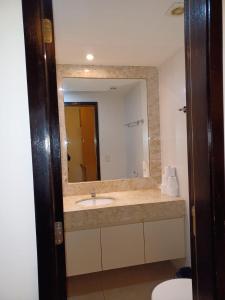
(18, 263)
(173, 125)
(111, 131)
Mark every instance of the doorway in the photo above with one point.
(82, 141)
(206, 195)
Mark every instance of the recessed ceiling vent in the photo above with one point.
(176, 10)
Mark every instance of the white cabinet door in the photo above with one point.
(164, 240)
(122, 246)
(83, 252)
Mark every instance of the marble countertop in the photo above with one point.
(128, 207)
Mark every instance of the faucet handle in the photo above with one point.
(93, 195)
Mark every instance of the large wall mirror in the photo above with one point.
(106, 128)
(109, 127)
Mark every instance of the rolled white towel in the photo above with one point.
(172, 186)
(170, 171)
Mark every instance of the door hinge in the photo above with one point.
(193, 220)
(47, 31)
(59, 233)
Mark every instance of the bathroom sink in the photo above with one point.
(95, 201)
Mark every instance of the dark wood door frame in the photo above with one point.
(203, 30)
(45, 140)
(95, 105)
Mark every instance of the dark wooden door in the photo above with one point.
(203, 31)
(203, 35)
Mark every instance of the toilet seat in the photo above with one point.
(174, 289)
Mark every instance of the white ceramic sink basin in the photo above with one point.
(95, 201)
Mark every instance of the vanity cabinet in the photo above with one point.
(83, 252)
(164, 240)
(114, 247)
(122, 246)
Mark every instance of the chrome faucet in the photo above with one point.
(93, 195)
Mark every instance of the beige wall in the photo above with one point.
(172, 96)
(18, 261)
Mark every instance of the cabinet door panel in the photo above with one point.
(122, 246)
(164, 240)
(83, 252)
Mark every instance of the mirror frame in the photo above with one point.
(150, 75)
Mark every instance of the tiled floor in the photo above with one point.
(135, 283)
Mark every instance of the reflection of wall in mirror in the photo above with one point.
(111, 131)
(137, 149)
(124, 151)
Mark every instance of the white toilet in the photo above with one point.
(174, 289)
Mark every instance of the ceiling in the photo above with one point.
(98, 85)
(117, 32)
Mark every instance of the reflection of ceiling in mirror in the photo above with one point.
(117, 32)
(98, 85)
